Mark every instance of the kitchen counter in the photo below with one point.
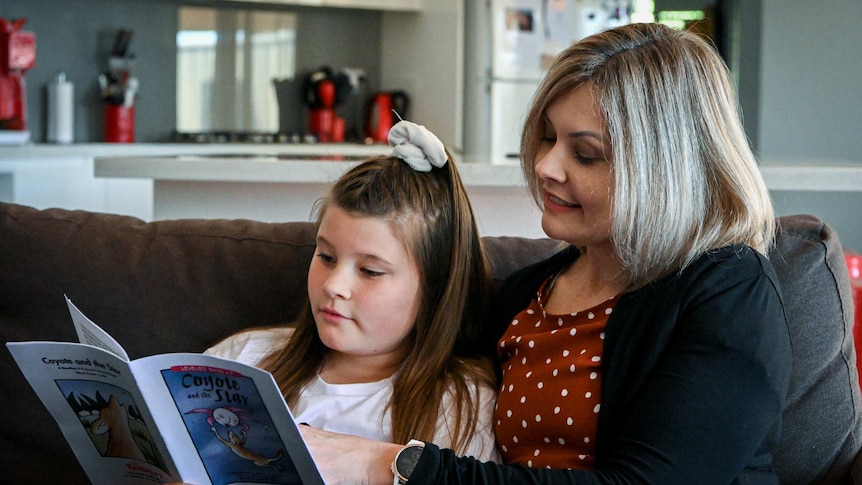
(281, 185)
(299, 165)
(284, 185)
(47, 150)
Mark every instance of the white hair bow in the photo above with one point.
(417, 146)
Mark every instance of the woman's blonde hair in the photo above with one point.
(433, 216)
(684, 178)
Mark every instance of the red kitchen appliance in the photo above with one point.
(325, 90)
(381, 117)
(17, 55)
(322, 118)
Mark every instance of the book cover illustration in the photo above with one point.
(229, 425)
(112, 420)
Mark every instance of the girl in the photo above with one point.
(397, 280)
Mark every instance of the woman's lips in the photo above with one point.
(553, 201)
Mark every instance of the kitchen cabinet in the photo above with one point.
(395, 5)
(303, 3)
(67, 181)
(404, 5)
(47, 175)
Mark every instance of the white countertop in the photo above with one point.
(48, 150)
(314, 163)
(281, 169)
(793, 175)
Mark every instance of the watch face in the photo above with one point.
(407, 459)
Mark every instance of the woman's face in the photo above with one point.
(363, 287)
(573, 165)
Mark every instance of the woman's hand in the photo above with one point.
(350, 459)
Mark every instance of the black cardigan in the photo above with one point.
(695, 370)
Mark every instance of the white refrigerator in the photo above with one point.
(510, 44)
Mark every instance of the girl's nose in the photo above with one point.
(337, 284)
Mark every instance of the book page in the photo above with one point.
(92, 395)
(91, 334)
(225, 422)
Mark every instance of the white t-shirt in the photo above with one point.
(358, 409)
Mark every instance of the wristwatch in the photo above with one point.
(406, 460)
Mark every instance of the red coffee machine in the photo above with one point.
(17, 56)
(325, 90)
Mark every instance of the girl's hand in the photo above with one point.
(350, 459)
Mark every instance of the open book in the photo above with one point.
(165, 418)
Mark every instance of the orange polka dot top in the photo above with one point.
(548, 405)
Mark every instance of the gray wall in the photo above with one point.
(811, 75)
(76, 36)
(810, 103)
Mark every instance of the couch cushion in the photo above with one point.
(821, 432)
(190, 281)
(161, 287)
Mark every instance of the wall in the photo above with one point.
(423, 54)
(810, 101)
(76, 36)
(811, 74)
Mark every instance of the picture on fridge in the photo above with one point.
(526, 35)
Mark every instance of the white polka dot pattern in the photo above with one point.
(548, 406)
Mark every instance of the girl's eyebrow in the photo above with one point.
(370, 257)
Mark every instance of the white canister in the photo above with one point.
(61, 110)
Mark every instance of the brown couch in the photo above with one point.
(182, 285)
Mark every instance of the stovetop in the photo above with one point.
(255, 137)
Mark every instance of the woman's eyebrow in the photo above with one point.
(587, 133)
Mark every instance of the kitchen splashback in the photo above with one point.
(258, 46)
(78, 42)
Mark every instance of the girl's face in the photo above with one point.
(573, 165)
(363, 287)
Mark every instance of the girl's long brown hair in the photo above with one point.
(433, 215)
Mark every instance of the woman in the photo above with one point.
(654, 348)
